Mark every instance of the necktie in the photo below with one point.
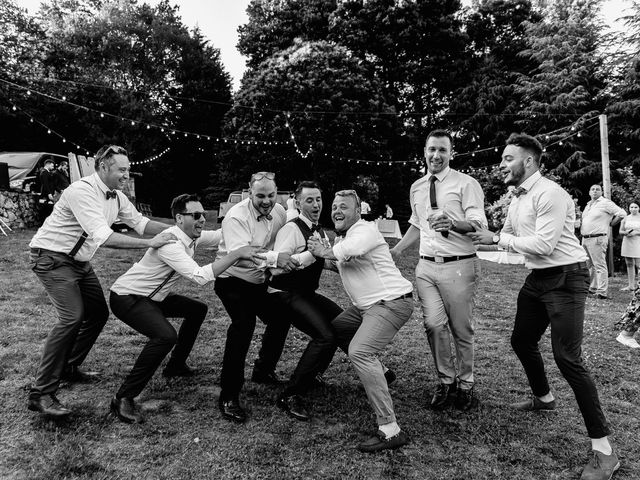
(432, 198)
(520, 191)
(111, 194)
(268, 217)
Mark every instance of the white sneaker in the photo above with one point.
(627, 341)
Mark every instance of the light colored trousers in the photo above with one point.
(364, 334)
(596, 248)
(447, 294)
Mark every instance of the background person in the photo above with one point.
(540, 224)
(388, 212)
(143, 299)
(629, 323)
(60, 253)
(630, 231)
(365, 210)
(61, 179)
(599, 214)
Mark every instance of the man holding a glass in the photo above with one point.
(445, 205)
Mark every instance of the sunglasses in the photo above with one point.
(106, 151)
(260, 175)
(195, 215)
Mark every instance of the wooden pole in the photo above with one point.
(606, 179)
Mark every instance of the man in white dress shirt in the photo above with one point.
(242, 289)
(540, 225)
(599, 214)
(448, 269)
(60, 253)
(382, 304)
(143, 299)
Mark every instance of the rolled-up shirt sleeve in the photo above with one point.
(174, 255)
(473, 204)
(130, 216)
(358, 243)
(414, 219)
(87, 209)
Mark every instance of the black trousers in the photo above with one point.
(244, 301)
(76, 293)
(150, 319)
(558, 300)
(311, 313)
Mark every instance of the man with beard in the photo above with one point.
(448, 268)
(382, 304)
(540, 225)
(598, 215)
(60, 253)
(143, 299)
(242, 289)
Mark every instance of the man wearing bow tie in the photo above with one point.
(310, 312)
(60, 253)
(446, 204)
(242, 289)
(143, 298)
(540, 225)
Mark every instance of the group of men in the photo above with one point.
(269, 268)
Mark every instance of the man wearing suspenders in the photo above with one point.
(142, 299)
(60, 252)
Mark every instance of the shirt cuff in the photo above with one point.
(101, 235)
(506, 240)
(339, 253)
(140, 227)
(271, 259)
(304, 259)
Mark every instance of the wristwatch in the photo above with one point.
(454, 224)
(496, 238)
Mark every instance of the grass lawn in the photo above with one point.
(185, 436)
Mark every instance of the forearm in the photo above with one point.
(225, 262)
(118, 240)
(410, 237)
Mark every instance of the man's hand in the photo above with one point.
(482, 236)
(317, 248)
(250, 253)
(285, 262)
(162, 239)
(441, 223)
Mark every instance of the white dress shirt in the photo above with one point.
(83, 207)
(366, 267)
(597, 216)
(289, 239)
(461, 198)
(157, 264)
(241, 227)
(539, 225)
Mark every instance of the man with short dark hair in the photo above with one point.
(61, 179)
(382, 303)
(60, 253)
(143, 299)
(540, 225)
(309, 311)
(445, 205)
(47, 189)
(599, 214)
(242, 289)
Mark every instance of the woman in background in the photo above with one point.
(630, 229)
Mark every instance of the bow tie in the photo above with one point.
(111, 194)
(520, 191)
(268, 217)
(315, 228)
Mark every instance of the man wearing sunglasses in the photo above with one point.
(60, 253)
(142, 298)
(243, 287)
(382, 303)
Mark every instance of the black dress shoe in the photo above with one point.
(380, 442)
(232, 410)
(443, 398)
(73, 374)
(125, 409)
(178, 371)
(466, 400)
(267, 378)
(49, 406)
(294, 406)
(390, 377)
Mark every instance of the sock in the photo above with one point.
(389, 429)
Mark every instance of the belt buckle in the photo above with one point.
(438, 259)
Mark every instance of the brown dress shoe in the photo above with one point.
(466, 400)
(48, 405)
(444, 396)
(601, 466)
(125, 409)
(380, 442)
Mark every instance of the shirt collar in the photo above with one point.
(440, 175)
(308, 222)
(530, 182)
(183, 237)
(101, 184)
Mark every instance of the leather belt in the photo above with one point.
(595, 235)
(560, 269)
(401, 297)
(447, 259)
(40, 251)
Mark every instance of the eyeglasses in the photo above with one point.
(260, 175)
(195, 215)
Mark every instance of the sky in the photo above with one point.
(219, 21)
